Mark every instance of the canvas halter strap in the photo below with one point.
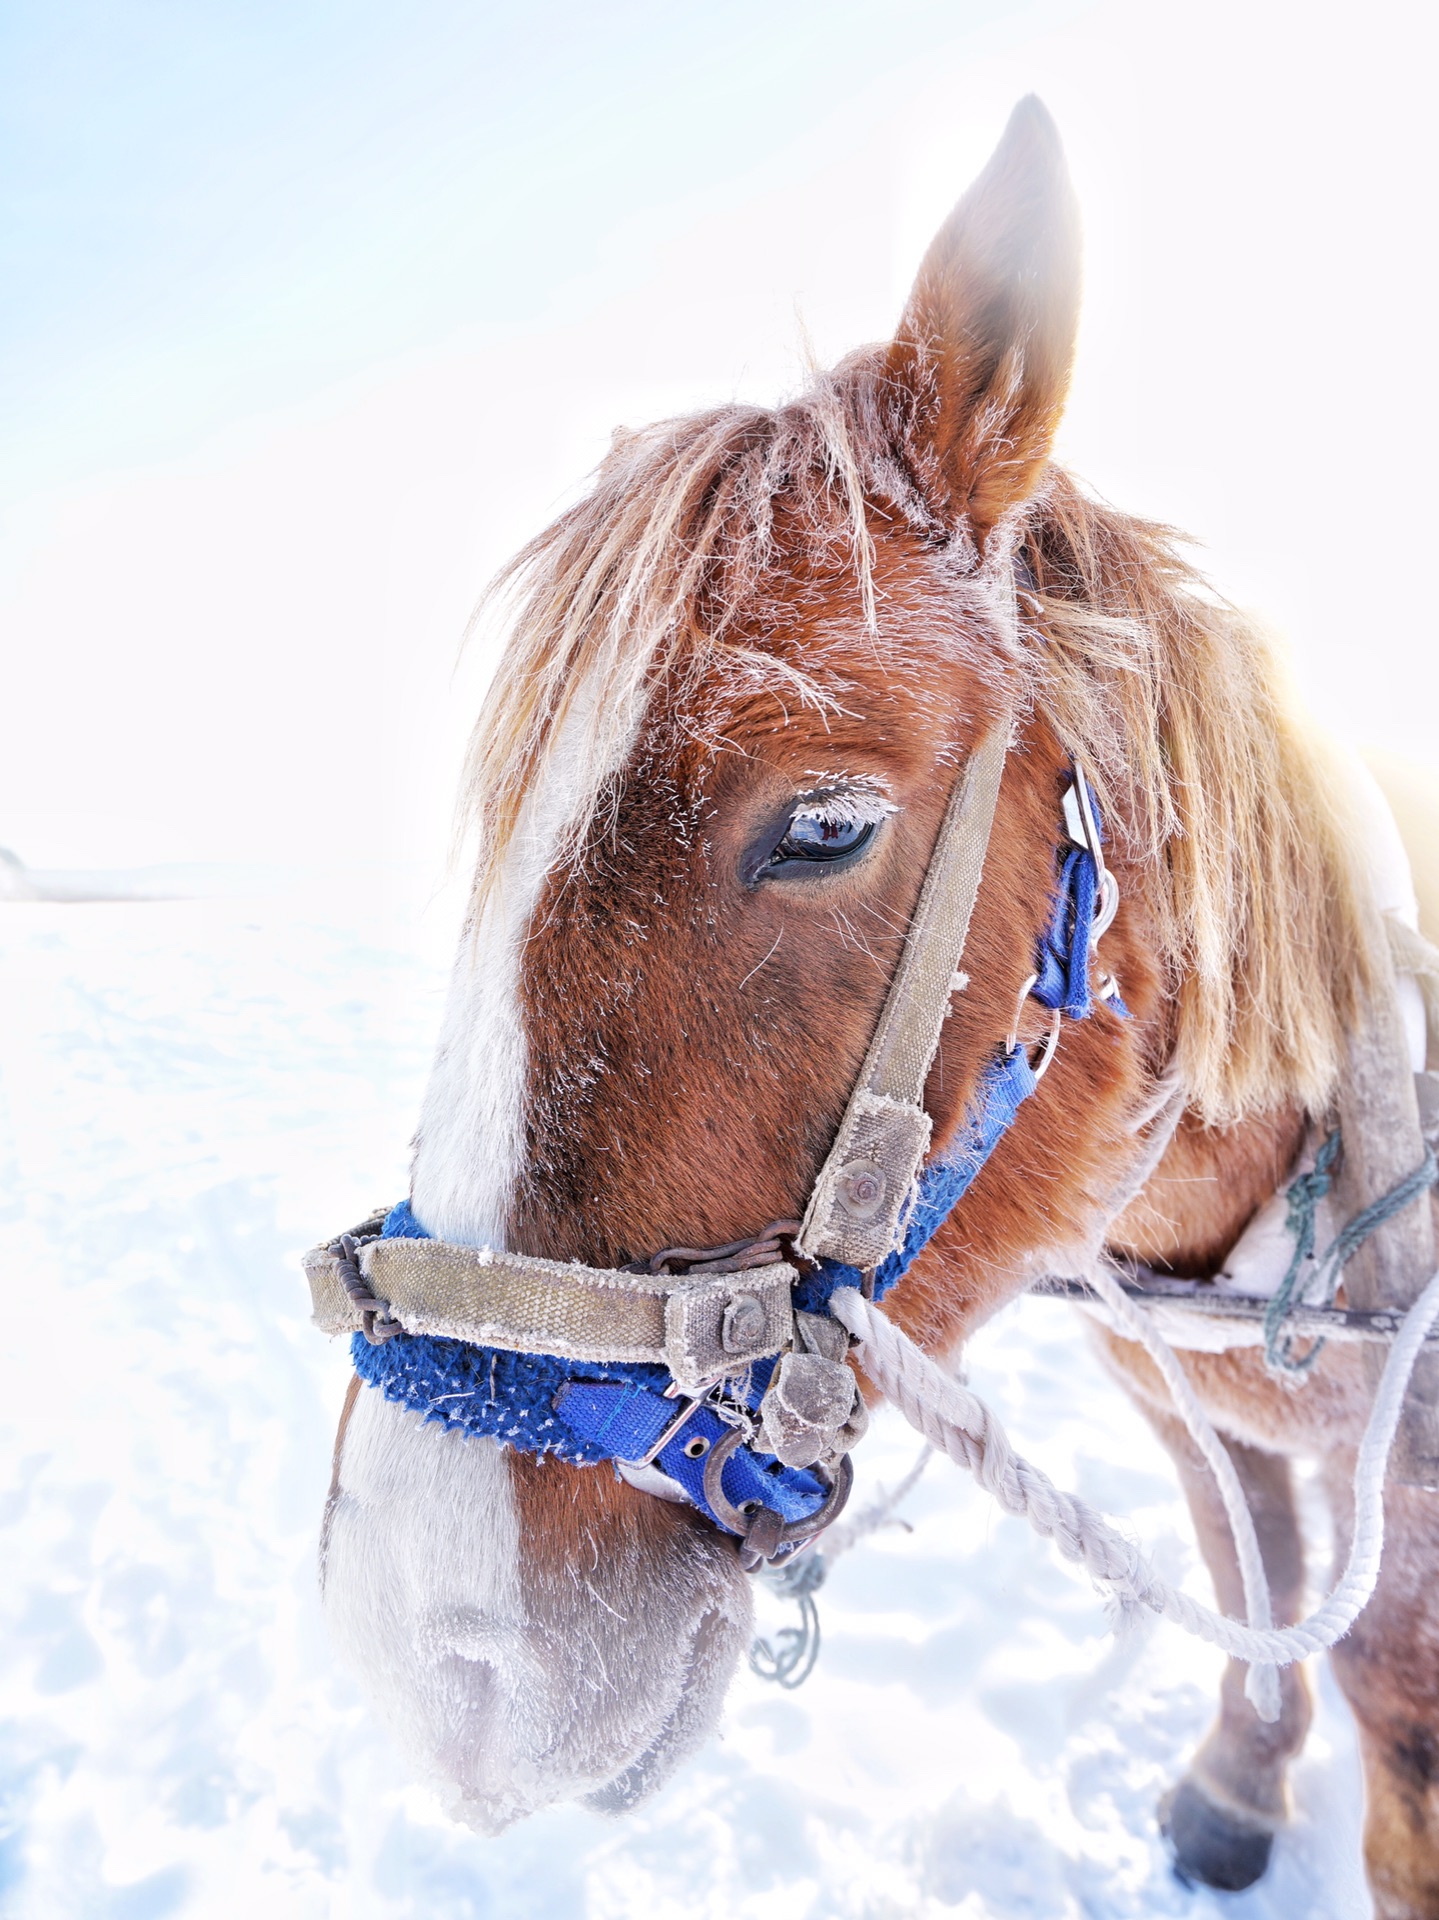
(865, 1183)
(729, 1378)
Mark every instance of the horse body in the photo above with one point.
(765, 618)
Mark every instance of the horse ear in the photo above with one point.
(983, 354)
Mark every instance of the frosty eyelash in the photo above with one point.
(847, 803)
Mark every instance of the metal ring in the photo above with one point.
(1051, 1040)
(1051, 1047)
(1107, 907)
(794, 1532)
(1011, 1041)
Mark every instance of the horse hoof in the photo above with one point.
(1212, 1846)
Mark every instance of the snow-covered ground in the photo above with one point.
(193, 1091)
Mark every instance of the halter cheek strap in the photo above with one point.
(865, 1185)
(709, 1378)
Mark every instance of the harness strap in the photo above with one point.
(583, 1412)
(1379, 1117)
(707, 1322)
(696, 1327)
(864, 1188)
(1006, 1084)
(1237, 1319)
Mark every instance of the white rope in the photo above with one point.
(879, 1513)
(957, 1422)
(1261, 1683)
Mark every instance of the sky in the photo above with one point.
(313, 313)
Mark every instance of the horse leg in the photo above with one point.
(1388, 1666)
(1222, 1816)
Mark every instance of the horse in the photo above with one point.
(743, 677)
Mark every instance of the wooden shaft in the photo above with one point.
(1379, 1114)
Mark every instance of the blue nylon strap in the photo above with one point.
(793, 1492)
(1062, 966)
(1063, 984)
(583, 1412)
(622, 1416)
(629, 1419)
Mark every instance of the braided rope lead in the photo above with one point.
(957, 1422)
(1261, 1683)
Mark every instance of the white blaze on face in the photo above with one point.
(510, 1687)
(467, 1153)
(422, 1594)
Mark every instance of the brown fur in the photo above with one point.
(1207, 1188)
(1240, 1767)
(755, 602)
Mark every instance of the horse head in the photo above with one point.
(743, 677)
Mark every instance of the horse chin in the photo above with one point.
(716, 1643)
(514, 1678)
(490, 1784)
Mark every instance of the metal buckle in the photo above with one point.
(763, 1533)
(710, 1396)
(675, 1427)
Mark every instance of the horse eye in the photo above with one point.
(810, 836)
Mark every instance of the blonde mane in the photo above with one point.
(642, 582)
(1177, 702)
(1226, 795)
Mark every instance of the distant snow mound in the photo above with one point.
(19, 882)
(15, 882)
